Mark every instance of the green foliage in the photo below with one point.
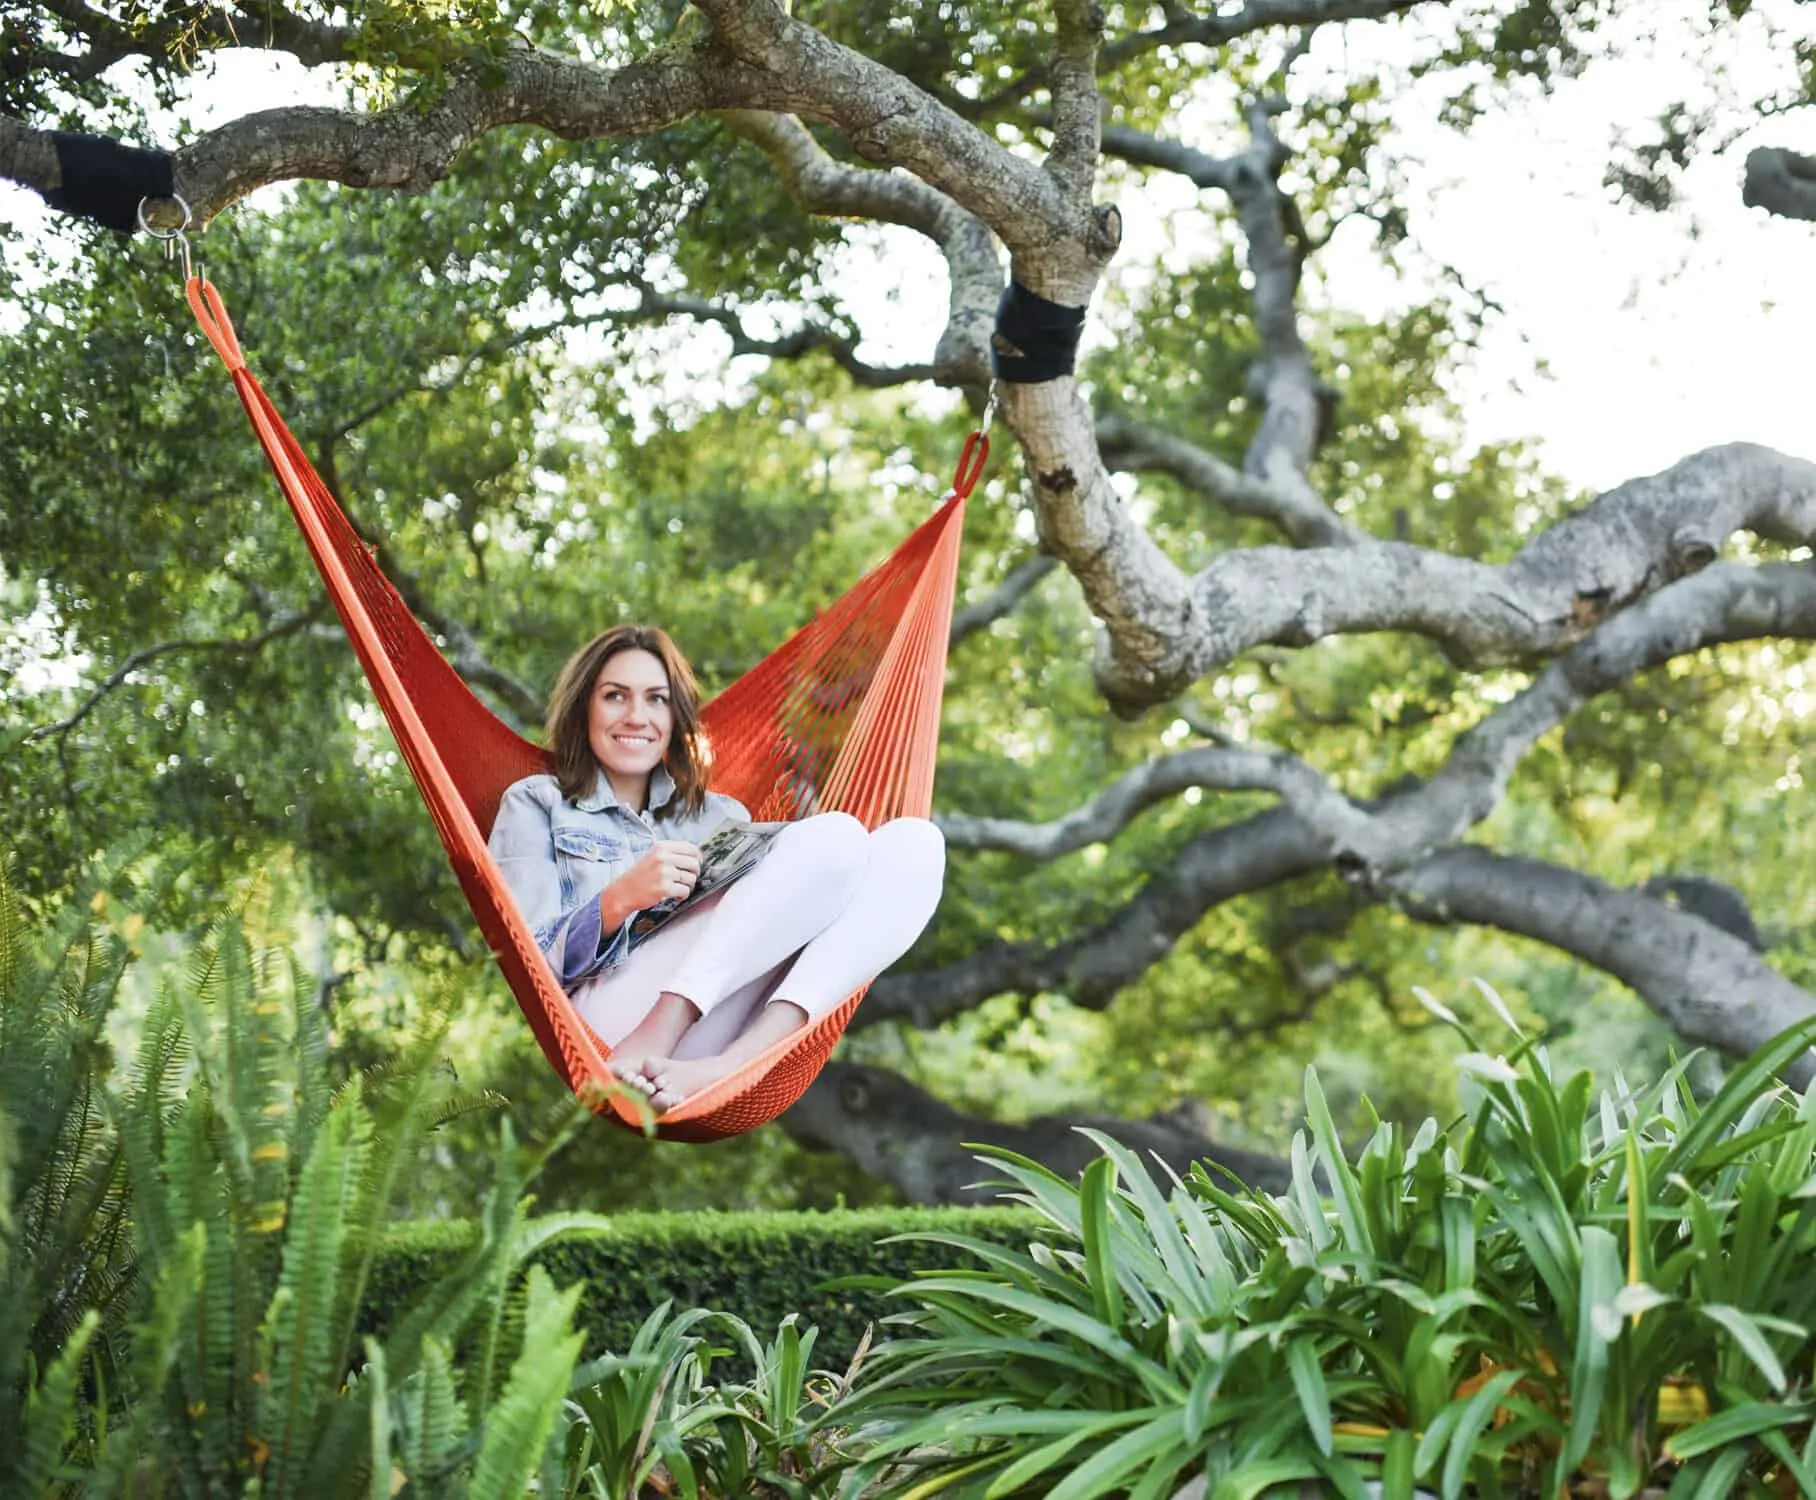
(185, 1254)
(1561, 1282)
(760, 1267)
(67, 1265)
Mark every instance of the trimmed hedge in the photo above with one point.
(760, 1266)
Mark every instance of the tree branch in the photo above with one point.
(1781, 182)
(1133, 447)
(1120, 803)
(925, 1148)
(830, 188)
(459, 644)
(982, 613)
(1183, 27)
(1318, 825)
(1627, 544)
(1091, 968)
(288, 624)
(1711, 986)
(1077, 109)
(804, 340)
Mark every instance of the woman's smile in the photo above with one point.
(630, 721)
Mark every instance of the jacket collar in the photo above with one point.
(602, 796)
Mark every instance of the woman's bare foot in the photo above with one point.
(677, 1078)
(655, 1036)
(671, 1080)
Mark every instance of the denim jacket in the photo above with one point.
(557, 856)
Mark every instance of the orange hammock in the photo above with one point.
(845, 715)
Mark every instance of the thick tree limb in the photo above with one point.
(1730, 602)
(923, 1147)
(827, 187)
(980, 614)
(1118, 805)
(1781, 182)
(1091, 968)
(1624, 546)
(1711, 986)
(1077, 112)
(755, 58)
(1134, 447)
(1318, 826)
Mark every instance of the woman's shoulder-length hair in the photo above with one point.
(570, 748)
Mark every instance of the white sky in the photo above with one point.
(1629, 339)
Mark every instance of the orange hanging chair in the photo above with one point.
(844, 715)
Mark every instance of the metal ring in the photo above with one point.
(167, 234)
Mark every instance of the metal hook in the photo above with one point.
(174, 239)
(989, 413)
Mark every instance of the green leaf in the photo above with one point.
(1601, 1284)
(1731, 1425)
(1749, 1333)
(1308, 1384)
(519, 1425)
(1093, 1202)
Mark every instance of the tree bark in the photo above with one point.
(923, 1147)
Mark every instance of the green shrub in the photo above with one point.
(1561, 1284)
(759, 1267)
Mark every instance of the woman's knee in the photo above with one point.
(837, 844)
(914, 847)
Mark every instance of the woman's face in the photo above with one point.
(631, 718)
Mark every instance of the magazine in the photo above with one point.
(730, 852)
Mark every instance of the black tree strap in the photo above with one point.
(1035, 339)
(105, 181)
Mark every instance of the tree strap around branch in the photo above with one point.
(106, 181)
(1035, 339)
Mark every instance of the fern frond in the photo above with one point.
(378, 1404)
(441, 1420)
(309, 1030)
(308, 1360)
(519, 1427)
(157, 1340)
(448, 1305)
(50, 1420)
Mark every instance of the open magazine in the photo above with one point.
(731, 851)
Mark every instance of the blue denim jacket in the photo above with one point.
(557, 856)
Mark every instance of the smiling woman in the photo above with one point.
(614, 832)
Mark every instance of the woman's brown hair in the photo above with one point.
(571, 749)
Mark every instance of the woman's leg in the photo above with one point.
(802, 886)
(889, 908)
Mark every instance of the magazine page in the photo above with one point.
(730, 851)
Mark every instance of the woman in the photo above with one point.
(615, 830)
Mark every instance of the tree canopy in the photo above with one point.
(1272, 698)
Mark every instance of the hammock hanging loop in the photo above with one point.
(971, 459)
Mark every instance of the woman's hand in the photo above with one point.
(666, 873)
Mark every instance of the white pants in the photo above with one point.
(830, 907)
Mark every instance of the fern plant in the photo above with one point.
(67, 1266)
(184, 1258)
